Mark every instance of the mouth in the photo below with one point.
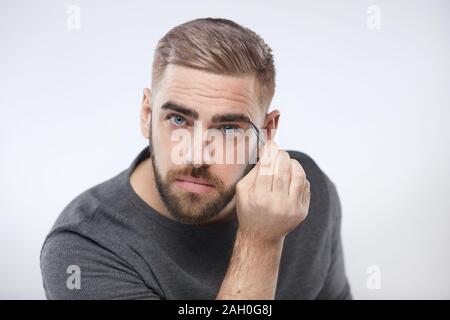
(194, 185)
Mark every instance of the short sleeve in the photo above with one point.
(76, 267)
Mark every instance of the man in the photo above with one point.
(197, 218)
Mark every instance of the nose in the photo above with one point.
(195, 156)
(198, 153)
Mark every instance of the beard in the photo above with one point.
(188, 207)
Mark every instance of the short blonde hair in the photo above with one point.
(219, 46)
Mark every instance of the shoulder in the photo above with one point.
(323, 188)
(75, 266)
(324, 209)
(85, 219)
(84, 207)
(85, 236)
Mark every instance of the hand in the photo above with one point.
(273, 198)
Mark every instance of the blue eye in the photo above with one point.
(177, 120)
(230, 130)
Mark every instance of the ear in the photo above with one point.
(271, 124)
(146, 112)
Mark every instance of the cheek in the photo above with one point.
(162, 154)
(171, 145)
(229, 174)
(161, 141)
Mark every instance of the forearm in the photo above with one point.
(253, 269)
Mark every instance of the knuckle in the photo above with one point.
(295, 165)
(307, 183)
(278, 182)
(272, 145)
(301, 175)
(306, 186)
(260, 202)
(272, 150)
(297, 169)
(283, 164)
(284, 157)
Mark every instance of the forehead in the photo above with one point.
(208, 93)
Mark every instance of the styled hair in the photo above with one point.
(219, 46)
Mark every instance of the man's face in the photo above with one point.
(199, 116)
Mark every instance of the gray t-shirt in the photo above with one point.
(110, 244)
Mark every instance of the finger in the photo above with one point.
(282, 174)
(266, 166)
(298, 178)
(306, 195)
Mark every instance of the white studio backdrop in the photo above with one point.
(363, 88)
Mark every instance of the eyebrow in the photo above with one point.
(218, 118)
(230, 117)
(169, 105)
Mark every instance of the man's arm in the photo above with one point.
(253, 270)
(75, 267)
(336, 285)
(271, 201)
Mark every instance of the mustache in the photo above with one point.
(201, 172)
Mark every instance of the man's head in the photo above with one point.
(209, 75)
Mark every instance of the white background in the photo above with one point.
(372, 107)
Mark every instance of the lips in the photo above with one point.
(195, 185)
(195, 180)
